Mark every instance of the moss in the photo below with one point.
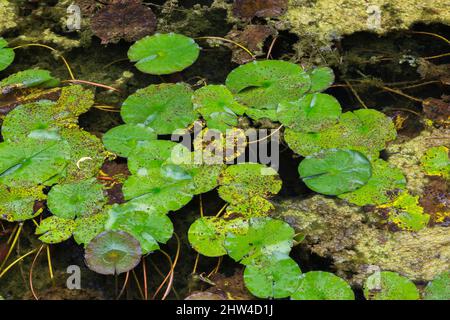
(8, 12)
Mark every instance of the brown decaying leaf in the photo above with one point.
(436, 200)
(437, 110)
(259, 8)
(129, 20)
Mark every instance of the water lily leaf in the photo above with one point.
(88, 227)
(335, 171)
(31, 161)
(76, 199)
(264, 84)
(123, 139)
(18, 204)
(27, 79)
(264, 237)
(73, 101)
(319, 285)
(113, 252)
(406, 213)
(439, 288)
(249, 185)
(147, 227)
(207, 234)
(55, 229)
(386, 285)
(321, 79)
(217, 106)
(385, 181)
(165, 107)
(275, 276)
(312, 113)
(6, 54)
(365, 130)
(436, 162)
(164, 53)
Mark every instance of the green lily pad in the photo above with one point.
(164, 107)
(365, 130)
(264, 84)
(276, 276)
(113, 252)
(17, 204)
(207, 234)
(31, 161)
(6, 54)
(73, 101)
(248, 185)
(439, 288)
(436, 162)
(164, 53)
(312, 113)
(264, 237)
(55, 229)
(123, 139)
(321, 79)
(218, 107)
(335, 171)
(386, 285)
(148, 228)
(88, 227)
(385, 181)
(319, 285)
(76, 199)
(27, 79)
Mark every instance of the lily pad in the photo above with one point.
(207, 234)
(276, 276)
(123, 139)
(27, 79)
(365, 130)
(88, 227)
(264, 237)
(164, 53)
(439, 288)
(73, 101)
(321, 79)
(335, 171)
(18, 204)
(148, 228)
(55, 229)
(6, 54)
(385, 181)
(76, 199)
(386, 285)
(218, 107)
(264, 84)
(436, 162)
(312, 113)
(31, 161)
(319, 285)
(165, 107)
(113, 252)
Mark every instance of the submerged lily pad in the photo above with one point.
(436, 162)
(27, 79)
(264, 84)
(264, 237)
(18, 204)
(312, 113)
(275, 276)
(88, 227)
(218, 107)
(76, 199)
(335, 171)
(113, 252)
(385, 181)
(147, 227)
(386, 285)
(164, 108)
(55, 229)
(6, 54)
(164, 53)
(439, 288)
(319, 285)
(365, 130)
(123, 139)
(321, 79)
(207, 234)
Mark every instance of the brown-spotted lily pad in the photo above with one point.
(129, 20)
(113, 252)
(259, 8)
